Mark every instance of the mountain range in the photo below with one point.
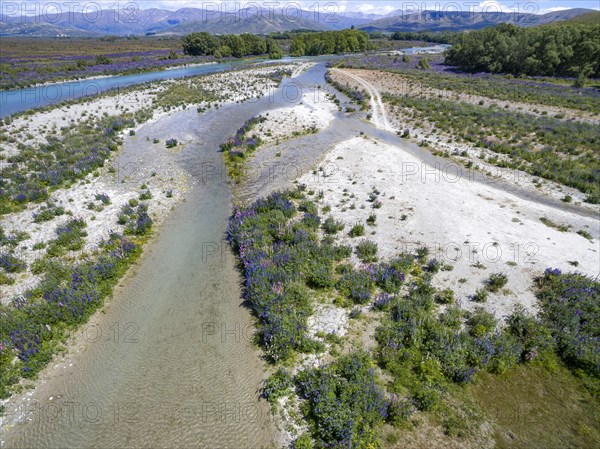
(186, 20)
(463, 20)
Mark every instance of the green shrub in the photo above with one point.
(11, 263)
(445, 296)
(480, 295)
(357, 230)
(172, 143)
(309, 207)
(356, 285)
(145, 195)
(344, 404)
(427, 397)
(569, 309)
(532, 334)
(278, 385)
(5, 279)
(481, 322)
(367, 251)
(331, 226)
(321, 275)
(496, 281)
(48, 213)
(304, 441)
(70, 237)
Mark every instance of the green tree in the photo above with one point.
(200, 44)
(563, 49)
(273, 49)
(297, 48)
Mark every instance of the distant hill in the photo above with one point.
(41, 30)
(464, 20)
(591, 18)
(186, 20)
(232, 24)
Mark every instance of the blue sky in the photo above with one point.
(368, 6)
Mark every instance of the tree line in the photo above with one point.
(329, 42)
(224, 46)
(556, 50)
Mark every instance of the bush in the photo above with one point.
(585, 234)
(400, 410)
(136, 219)
(309, 207)
(11, 264)
(103, 197)
(70, 237)
(102, 60)
(496, 281)
(445, 296)
(321, 275)
(569, 309)
(382, 301)
(303, 442)
(357, 230)
(311, 221)
(6, 280)
(367, 251)
(480, 295)
(278, 385)
(172, 143)
(48, 213)
(434, 266)
(424, 64)
(531, 333)
(388, 277)
(481, 322)
(145, 195)
(344, 403)
(567, 199)
(356, 285)
(279, 259)
(331, 226)
(427, 397)
(452, 318)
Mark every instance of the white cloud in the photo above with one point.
(547, 10)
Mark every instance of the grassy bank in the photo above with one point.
(429, 355)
